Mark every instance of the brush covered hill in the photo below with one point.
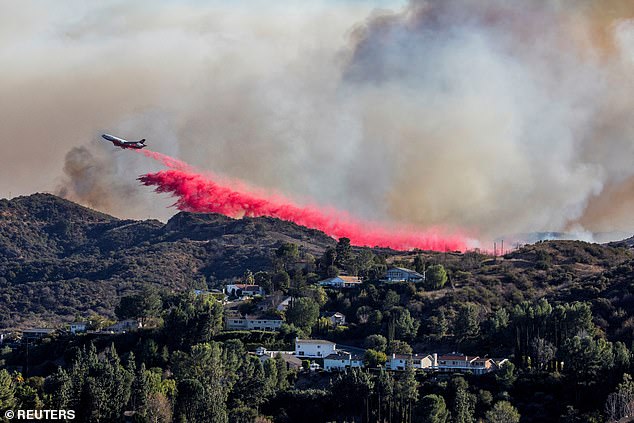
(59, 260)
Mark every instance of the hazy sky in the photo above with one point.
(493, 116)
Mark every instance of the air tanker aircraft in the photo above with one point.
(120, 142)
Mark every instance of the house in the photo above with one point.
(342, 360)
(335, 318)
(123, 326)
(292, 362)
(284, 304)
(237, 322)
(341, 282)
(464, 363)
(418, 361)
(78, 327)
(36, 333)
(314, 348)
(243, 290)
(400, 274)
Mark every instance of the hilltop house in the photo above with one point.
(341, 282)
(314, 348)
(400, 274)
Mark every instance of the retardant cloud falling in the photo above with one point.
(491, 116)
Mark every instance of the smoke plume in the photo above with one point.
(495, 116)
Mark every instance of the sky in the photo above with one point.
(490, 117)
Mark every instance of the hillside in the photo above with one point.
(59, 259)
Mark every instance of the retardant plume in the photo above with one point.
(199, 193)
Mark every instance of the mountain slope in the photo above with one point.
(58, 258)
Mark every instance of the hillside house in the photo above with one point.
(341, 282)
(464, 363)
(314, 348)
(123, 326)
(335, 318)
(342, 360)
(78, 327)
(401, 274)
(398, 362)
(36, 333)
(238, 322)
(292, 362)
(243, 290)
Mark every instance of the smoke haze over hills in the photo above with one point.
(490, 116)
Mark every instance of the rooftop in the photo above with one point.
(313, 341)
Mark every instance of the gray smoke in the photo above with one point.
(493, 116)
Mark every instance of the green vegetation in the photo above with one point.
(560, 311)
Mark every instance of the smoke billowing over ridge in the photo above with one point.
(494, 116)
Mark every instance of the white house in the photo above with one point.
(288, 357)
(341, 282)
(314, 348)
(241, 290)
(123, 326)
(78, 327)
(464, 363)
(418, 361)
(400, 274)
(253, 323)
(335, 318)
(342, 360)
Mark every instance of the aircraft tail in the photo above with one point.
(142, 141)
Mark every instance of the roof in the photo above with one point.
(47, 330)
(332, 313)
(402, 269)
(343, 355)
(244, 286)
(346, 279)
(458, 357)
(354, 279)
(313, 341)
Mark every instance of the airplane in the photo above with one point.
(120, 142)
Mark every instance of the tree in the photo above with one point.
(503, 412)
(159, 409)
(406, 393)
(7, 391)
(373, 358)
(344, 258)
(434, 409)
(542, 352)
(281, 281)
(303, 313)
(464, 402)
(620, 404)
(375, 342)
(399, 347)
(467, 322)
(352, 390)
(139, 306)
(436, 276)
